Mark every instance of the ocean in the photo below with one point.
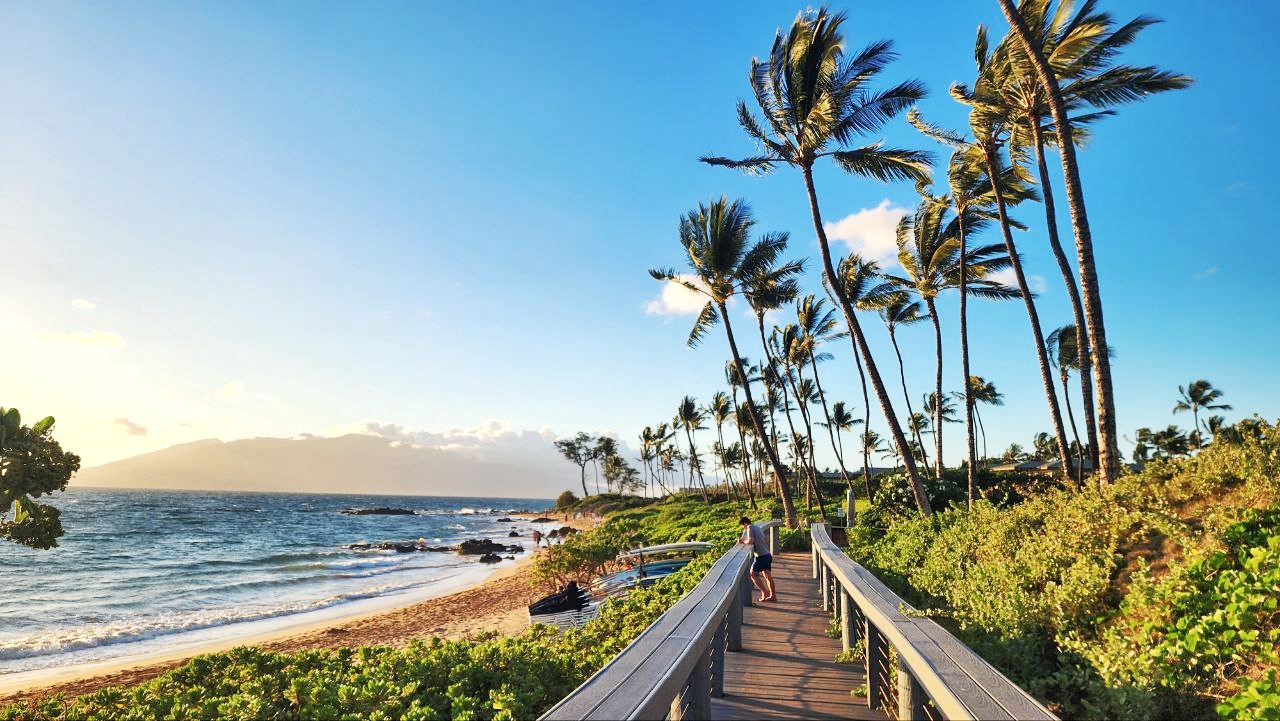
(140, 571)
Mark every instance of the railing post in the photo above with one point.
(851, 508)
(911, 697)
(773, 540)
(745, 593)
(717, 661)
(823, 584)
(813, 548)
(700, 689)
(733, 624)
(877, 654)
(846, 621)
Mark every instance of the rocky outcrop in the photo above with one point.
(490, 558)
(504, 519)
(513, 534)
(477, 546)
(399, 547)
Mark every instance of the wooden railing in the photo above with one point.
(915, 668)
(675, 666)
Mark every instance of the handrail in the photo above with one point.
(933, 666)
(674, 666)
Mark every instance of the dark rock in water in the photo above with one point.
(384, 511)
(490, 558)
(543, 520)
(566, 531)
(511, 558)
(360, 546)
(485, 546)
(513, 534)
(399, 547)
(505, 520)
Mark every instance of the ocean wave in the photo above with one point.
(144, 627)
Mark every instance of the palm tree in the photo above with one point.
(1033, 47)
(898, 310)
(736, 381)
(991, 128)
(841, 420)
(865, 287)
(689, 417)
(1063, 347)
(764, 291)
(1194, 396)
(983, 391)
(716, 238)
(1078, 47)
(819, 324)
(719, 408)
(815, 101)
(929, 252)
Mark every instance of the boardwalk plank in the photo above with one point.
(787, 668)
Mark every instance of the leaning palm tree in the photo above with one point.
(719, 408)
(983, 391)
(929, 252)
(897, 310)
(1064, 354)
(764, 292)
(815, 101)
(865, 286)
(991, 128)
(689, 417)
(716, 238)
(1032, 42)
(819, 325)
(1194, 396)
(841, 420)
(1079, 47)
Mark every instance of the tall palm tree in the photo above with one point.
(716, 238)
(841, 420)
(929, 253)
(1194, 396)
(816, 101)
(991, 128)
(983, 391)
(1064, 354)
(764, 292)
(1034, 57)
(689, 417)
(741, 422)
(865, 287)
(819, 324)
(719, 408)
(898, 309)
(1078, 46)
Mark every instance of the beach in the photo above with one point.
(498, 603)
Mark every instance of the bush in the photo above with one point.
(564, 500)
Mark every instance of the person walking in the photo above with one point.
(762, 566)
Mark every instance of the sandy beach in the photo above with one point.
(496, 604)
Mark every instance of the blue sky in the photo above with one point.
(295, 217)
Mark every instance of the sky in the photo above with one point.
(248, 219)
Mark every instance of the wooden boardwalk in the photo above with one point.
(786, 668)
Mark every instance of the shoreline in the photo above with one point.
(495, 602)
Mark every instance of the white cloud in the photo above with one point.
(100, 338)
(130, 428)
(83, 304)
(1207, 272)
(230, 390)
(1035, 282)
(677, 299)
(872, 232)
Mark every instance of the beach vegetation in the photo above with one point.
(32, 465)
(565, 500)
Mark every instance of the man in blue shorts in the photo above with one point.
(762, 566)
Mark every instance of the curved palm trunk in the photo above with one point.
(866, 425)
(971, 452)
(1055, 413)
(937, 389)
(771, 364)
(826, 413)
(779, 477)
(798, 449)
(978, 417)
(860, 347)
(695, 465)
(746, 459)
(1069, 279)
(902, 374)
(803, 403)
(1108, 439)
(1066, 400)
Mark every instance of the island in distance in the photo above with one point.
(333, 465)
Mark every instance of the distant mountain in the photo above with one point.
(355, 463)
